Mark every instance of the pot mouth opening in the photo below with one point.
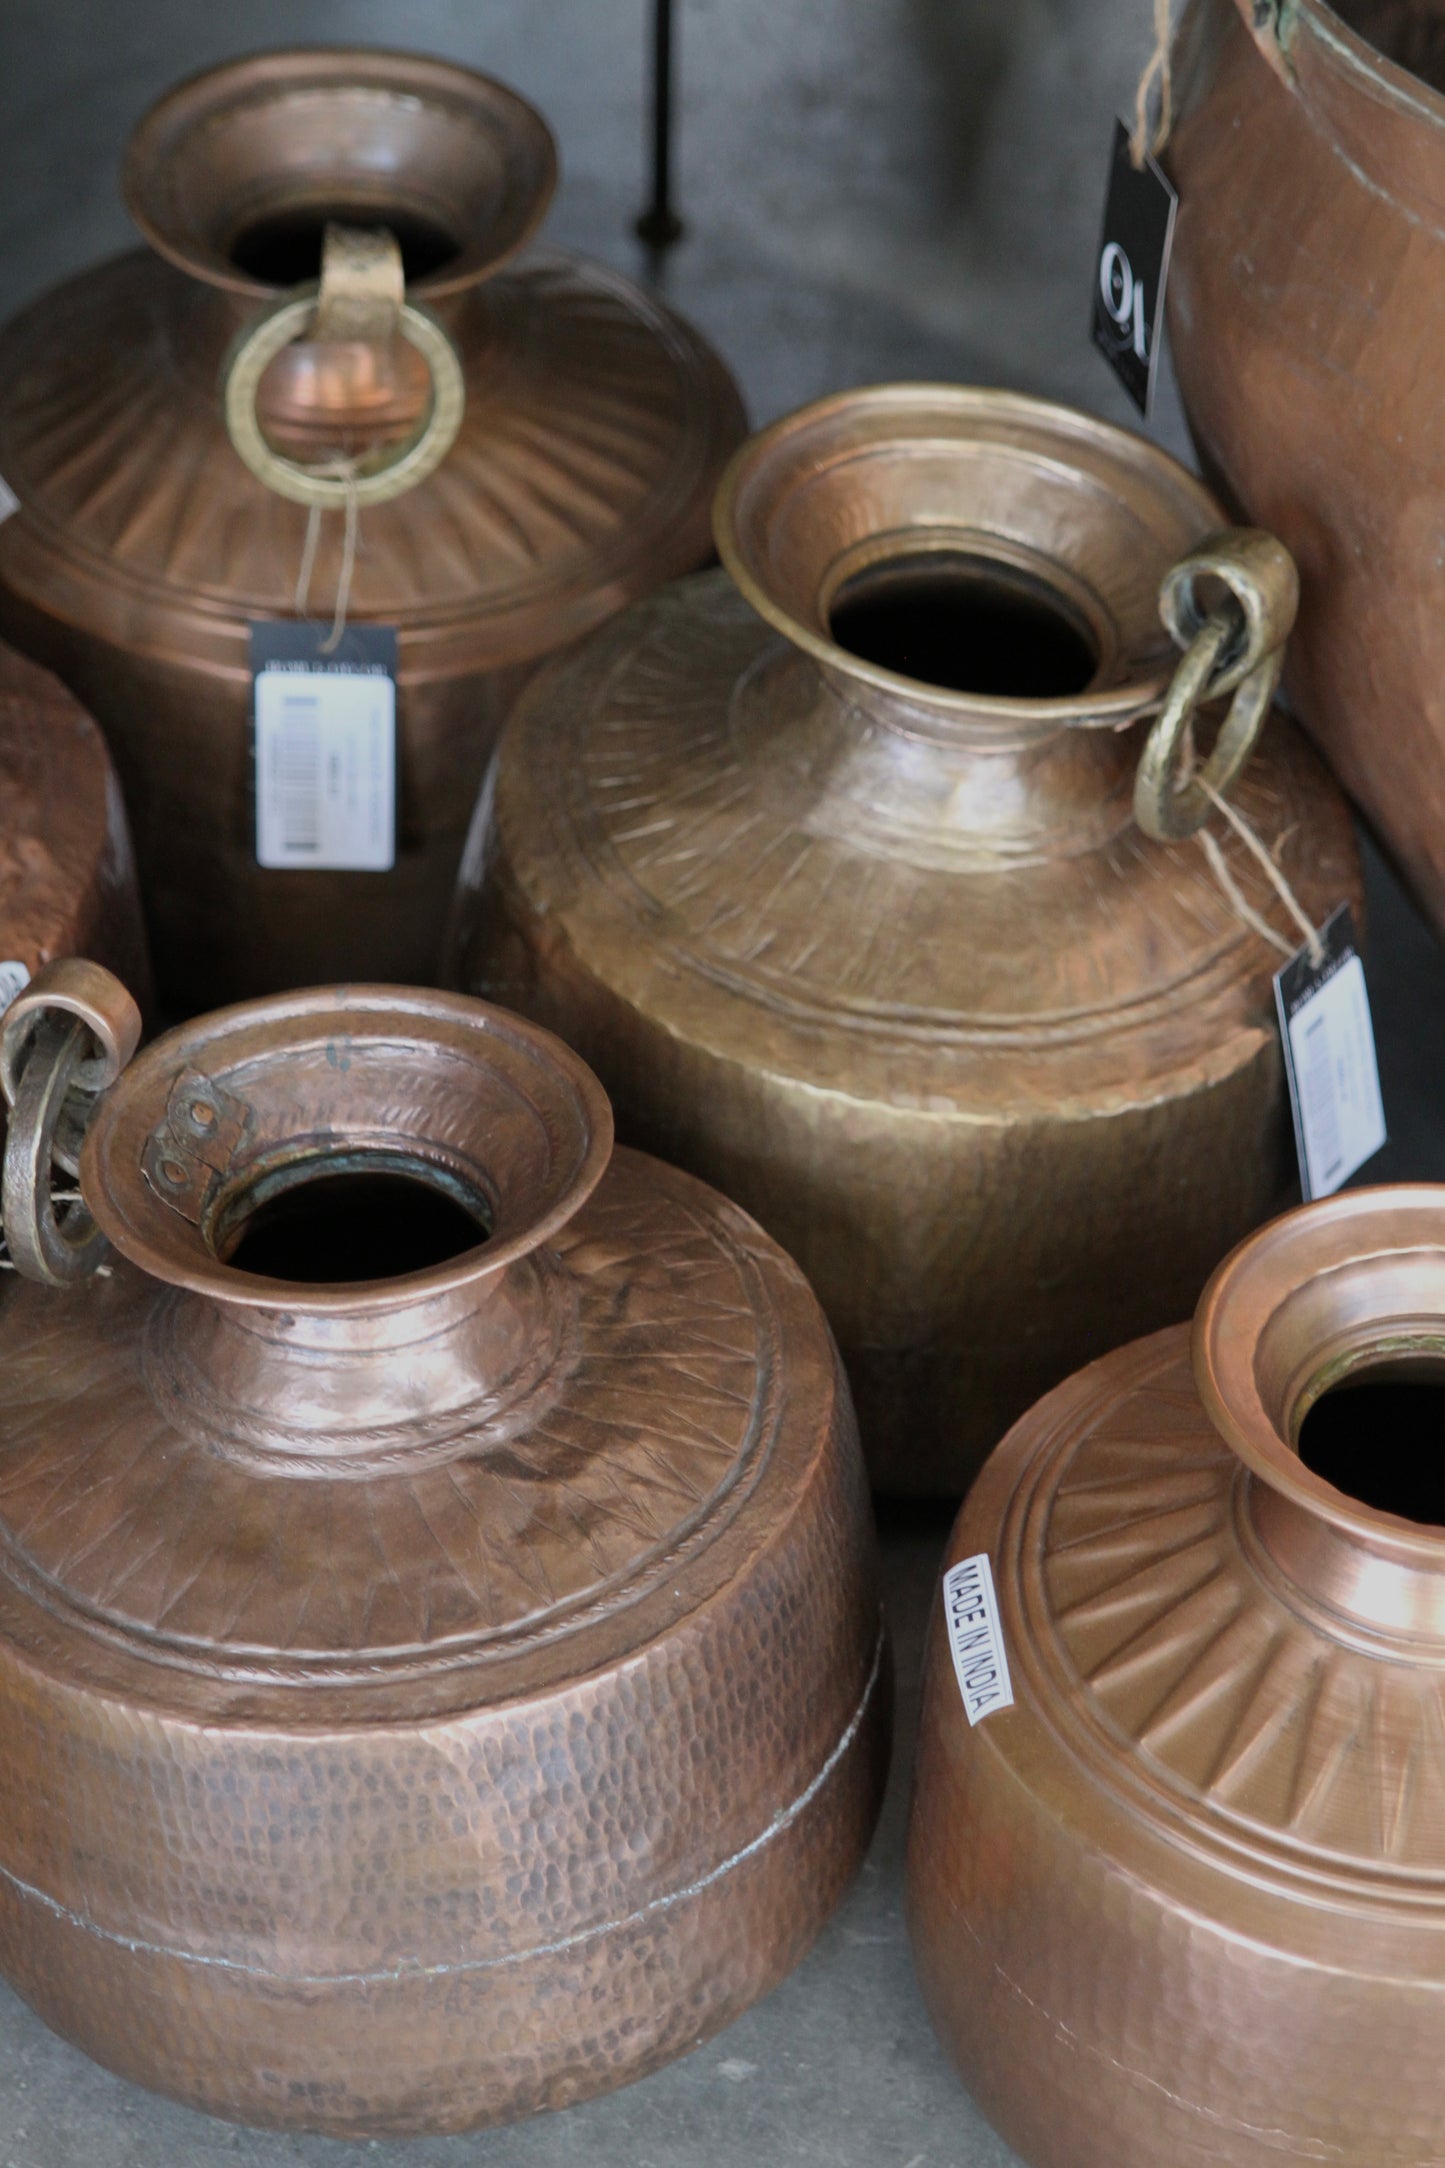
(1377, 1435)
(1410, 34)
(234, 174)
(1319, 1356)
(967, 623)
(982, 556)
(332, 1219)
(344, 1150)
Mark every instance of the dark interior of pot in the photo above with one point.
(370, 1216)
(1379, 1436)
(1409, 32)
(283, 248)
(966, 623)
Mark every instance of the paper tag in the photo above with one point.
(14, 978)
(970, 1609)
(325, 747)
(1329, 1059)
(1132, 268)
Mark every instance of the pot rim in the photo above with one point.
(570, 1106)
(201, 101)
(1352, 1281)
(1354, 52)
(1056, 427)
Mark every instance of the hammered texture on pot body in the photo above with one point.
(594, 428)
(1185, 1899)
(67, 877)
(438, 1706)
(1306, 293)
(893, 966)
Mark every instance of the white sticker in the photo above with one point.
(970, 1610)
(326, 770)
(1334, 1078)
(14, 978)
(9, 502)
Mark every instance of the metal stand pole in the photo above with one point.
(659, 225)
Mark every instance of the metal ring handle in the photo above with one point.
(42, 1246)
(1237, 647)
(395, 470)
(87, 992)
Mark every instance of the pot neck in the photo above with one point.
(951, 789)
(1305, 1307)
(308, 1392)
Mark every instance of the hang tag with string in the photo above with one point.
(1329, 1057)
(1132, 268)
(324, 740)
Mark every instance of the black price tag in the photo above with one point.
(1131, 270)
(1329, 1059)
(324, 740)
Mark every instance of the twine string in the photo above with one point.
(345, 470)
(1145, 141)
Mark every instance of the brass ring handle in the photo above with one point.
(1234, 645)
(64, 1040)
(359, 295)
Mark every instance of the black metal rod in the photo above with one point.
(659, 224)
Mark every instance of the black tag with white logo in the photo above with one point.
(324, 744)
(1131, 269)
(1329, 1058)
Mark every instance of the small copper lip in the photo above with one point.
(875, 435)
(506, 1093)
(221, 149)
(1327, 1288)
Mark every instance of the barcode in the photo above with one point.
(298, 773)
(1317, 1085)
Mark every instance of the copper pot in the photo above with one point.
(1182, 1900)
(890, 962)
(440, 1660)
(67, 879)
(590, 428)
(1306, 301)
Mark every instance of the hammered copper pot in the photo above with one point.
(67, 877)
(1306, 312)
(1183, 1899)
(440, 1659)
(587, 426)
(890, 961)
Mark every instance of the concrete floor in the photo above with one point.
(873, 188)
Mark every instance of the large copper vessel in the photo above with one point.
(67, 878)
(1183, 1899)
(1306, 311)
(891, 961)
(524, 450)
(440, 1661)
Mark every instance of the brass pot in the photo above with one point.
(1306, 301)
(1184, 1899)
(892, 963)
(67, 878)
(440, 1673)
(591, 430)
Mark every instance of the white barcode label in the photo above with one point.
(326, 770)
(1334, 1078)
(14, 978)
(970, 1610)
